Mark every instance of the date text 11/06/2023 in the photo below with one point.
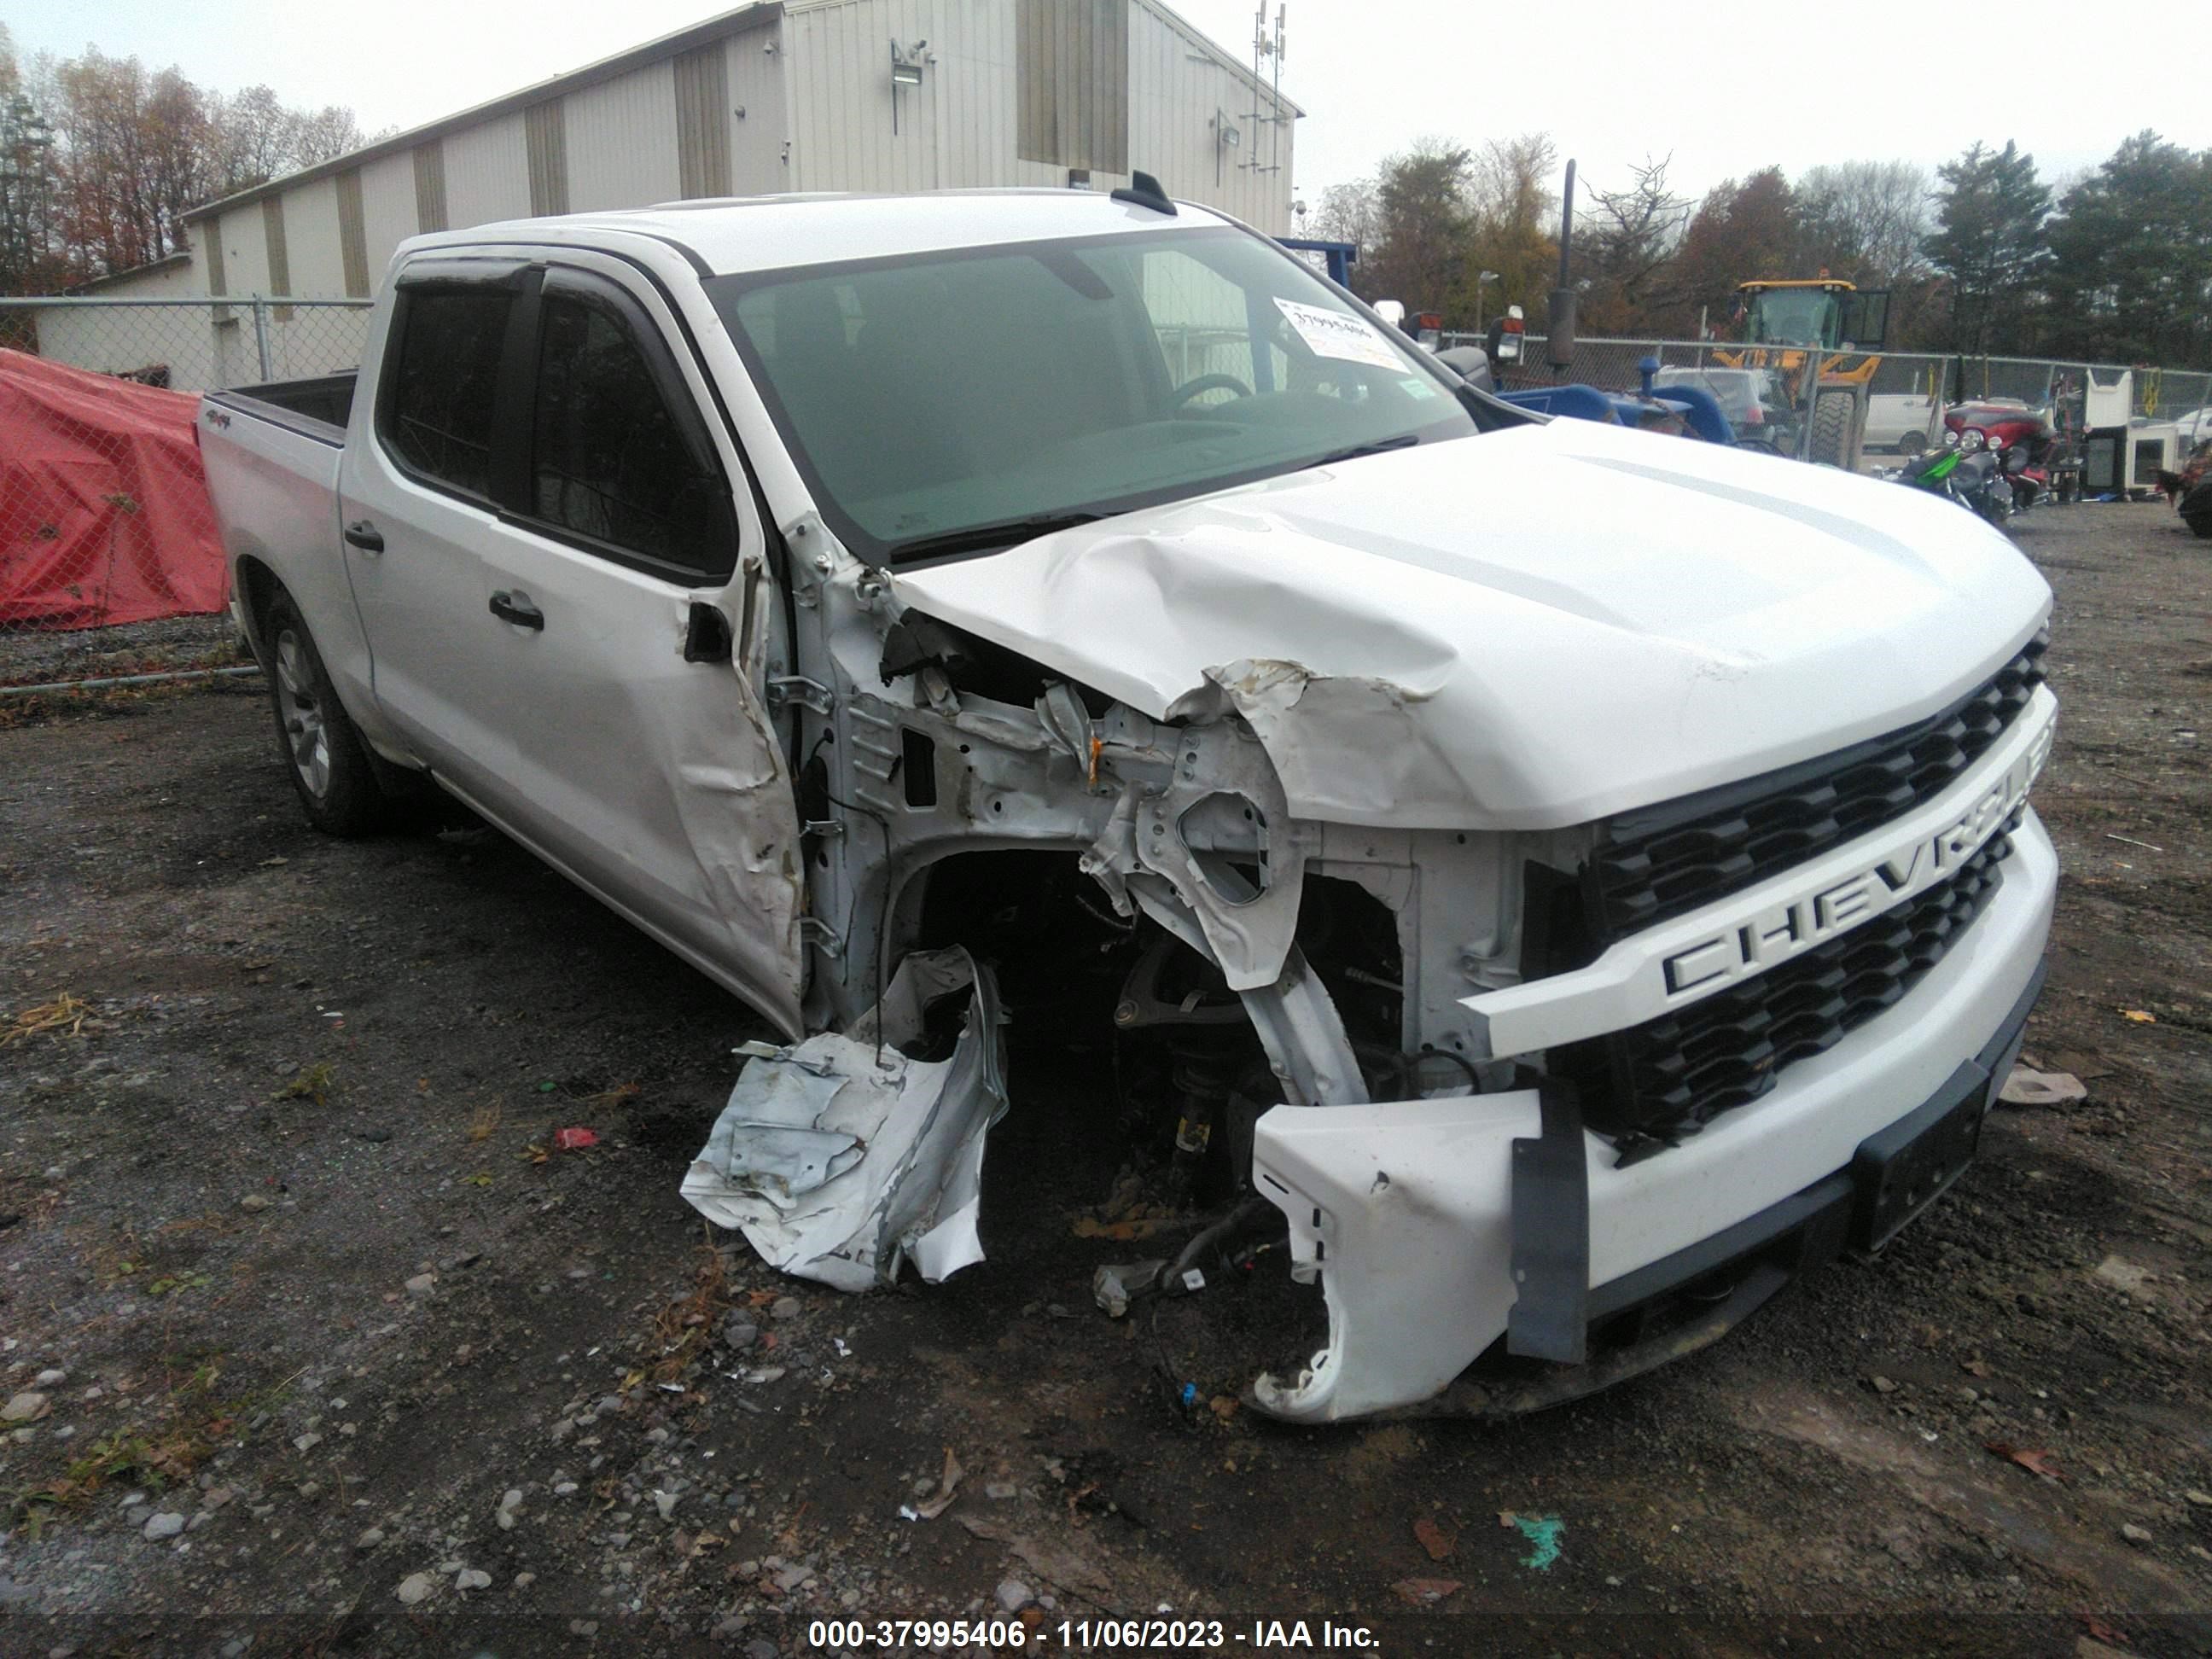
(1259, 1636)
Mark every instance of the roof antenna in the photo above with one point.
(1145, 191)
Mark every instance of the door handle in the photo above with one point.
(365, 536)
(517, 608)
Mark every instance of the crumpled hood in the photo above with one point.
(1530, 629)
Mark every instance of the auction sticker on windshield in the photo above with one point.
(1335, 334)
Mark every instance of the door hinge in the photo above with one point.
(784, 689)
(813, 931)
(822, 826)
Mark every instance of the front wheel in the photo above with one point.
(324, 751)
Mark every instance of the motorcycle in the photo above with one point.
(1963, 470)
(2022, 439)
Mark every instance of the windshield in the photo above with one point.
(1795, 316)
(930, 399)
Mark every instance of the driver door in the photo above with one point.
(621, 627)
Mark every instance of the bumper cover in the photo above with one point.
(1404, 1209)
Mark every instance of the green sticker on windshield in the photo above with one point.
(1414, 386)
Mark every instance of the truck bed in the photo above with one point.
(316, 408)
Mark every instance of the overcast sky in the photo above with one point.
(1372, 74)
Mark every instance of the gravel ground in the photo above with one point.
(311, 1340)
(44, 656)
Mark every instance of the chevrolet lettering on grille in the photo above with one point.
(1780, 932)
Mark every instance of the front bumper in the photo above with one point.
(1404, 1209)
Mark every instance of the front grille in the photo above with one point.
(1666, 1077)
(1667, 861)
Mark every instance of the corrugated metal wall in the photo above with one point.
(702, 120)
(759, 134)
(546, 146)
(487, 173)
(388, 208)
(277, 254)
(1012, 92)
(353, 233)
(1072, 83)
(621, 142)
(965, 126)
(312, 235)
(429, 164)
(1173, 135)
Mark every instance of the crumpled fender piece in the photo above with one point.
(1344, 745)
(1405, 1211)
(838, 1168)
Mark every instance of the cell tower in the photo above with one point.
(1268, 77)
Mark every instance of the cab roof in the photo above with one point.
(731, 235)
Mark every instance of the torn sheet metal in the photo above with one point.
(1427, 639)
(839, 1160)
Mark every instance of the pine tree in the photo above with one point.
(2132, 278)
(1991, 209)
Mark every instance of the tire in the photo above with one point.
(2201, 524)
(323, 751)
(1831, 429)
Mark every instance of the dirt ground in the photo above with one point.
(335, 1323)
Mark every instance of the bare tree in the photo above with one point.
(1624, 239)
(127, 153)
(256, 139)
(325, 134)
(1866, 220)
(1346, 213)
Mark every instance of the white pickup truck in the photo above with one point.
(1571, 879)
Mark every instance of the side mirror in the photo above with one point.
(1471, 364)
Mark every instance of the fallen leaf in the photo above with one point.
(1434, 1539)
(1977, 1366)
(2140, 1016)
(1223, 1406)
(574, 1141)
(1425, 1592)
(2034, 1459)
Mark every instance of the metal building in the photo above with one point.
(785, 96)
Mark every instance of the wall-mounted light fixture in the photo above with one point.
(906, 71)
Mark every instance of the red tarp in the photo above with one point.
(104, 512)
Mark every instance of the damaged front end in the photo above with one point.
(1147, 881)
(1249, 898)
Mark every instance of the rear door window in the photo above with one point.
(617, 458)
(437, 417)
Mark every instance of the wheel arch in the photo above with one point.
(258, 587)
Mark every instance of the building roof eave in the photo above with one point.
(745, 18)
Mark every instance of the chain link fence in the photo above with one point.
(111, 564)
(1907, 395)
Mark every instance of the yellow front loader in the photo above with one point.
(1789, 324)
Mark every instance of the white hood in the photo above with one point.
(1526, 629)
